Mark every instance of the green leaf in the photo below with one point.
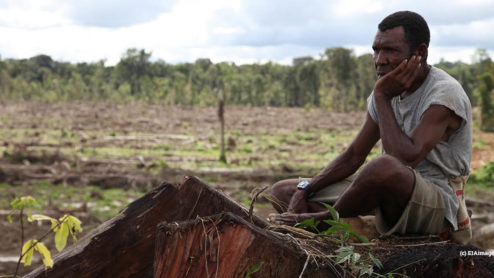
(345, 237)
(16, 204)
(26, 260)
(376, 261)
(341, 226)
(334, 214)
(24, 202)
(74, 225)
(61, 234)
(330, 231)
(355, 258)
(47, 260)
(362, 239)
(9, 218)
(39, 217)
(308, 223)
(348, 248)
(54, 225)
(343, 257)
(366, 269)
(344, 253)
(254, 269)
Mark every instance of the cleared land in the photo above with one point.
(91, 159)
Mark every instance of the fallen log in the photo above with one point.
(123, 246)
(479, 204)
(485, 232)
(192, 237)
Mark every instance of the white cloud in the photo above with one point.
(223, 30)
(343, 9)
(479, 34)
(32, 14)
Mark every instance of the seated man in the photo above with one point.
(423, 118)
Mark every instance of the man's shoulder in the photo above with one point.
(440, 78)
(443, 84)
(445, 90)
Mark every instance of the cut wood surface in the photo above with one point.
(226, 246)
(124, 245)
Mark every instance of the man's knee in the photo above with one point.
(383, 168)
(384, 175)
(282, 189)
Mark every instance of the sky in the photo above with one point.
(238, 31)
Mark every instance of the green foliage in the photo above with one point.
(25, 202)
(62, 227)
(33, 245)
(136, 78)
(222, 159)
(309, 224)
(336, 227)
(484, 94)
(338, 81)
(254, 269)
(347, 255)
(485, 175)
(343, 231)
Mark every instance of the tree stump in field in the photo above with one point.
(192, 230)
(124, 245)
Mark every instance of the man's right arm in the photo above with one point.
(351, 159)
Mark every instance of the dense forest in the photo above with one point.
(337, 81)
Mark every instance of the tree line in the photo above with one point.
(338, 80)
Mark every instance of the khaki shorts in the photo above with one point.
(424, 213)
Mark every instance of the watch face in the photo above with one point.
(303, 185)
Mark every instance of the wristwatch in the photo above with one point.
(305, 185)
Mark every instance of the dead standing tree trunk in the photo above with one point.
(221, 117)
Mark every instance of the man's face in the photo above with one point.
(390, 49)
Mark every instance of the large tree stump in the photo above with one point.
(124, 245)
(227, 246)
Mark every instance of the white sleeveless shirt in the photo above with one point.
(447, 159)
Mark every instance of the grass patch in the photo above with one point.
(480, 143)
(103, 203)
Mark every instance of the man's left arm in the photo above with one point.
(437, 123)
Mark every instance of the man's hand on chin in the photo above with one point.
(398, 80)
